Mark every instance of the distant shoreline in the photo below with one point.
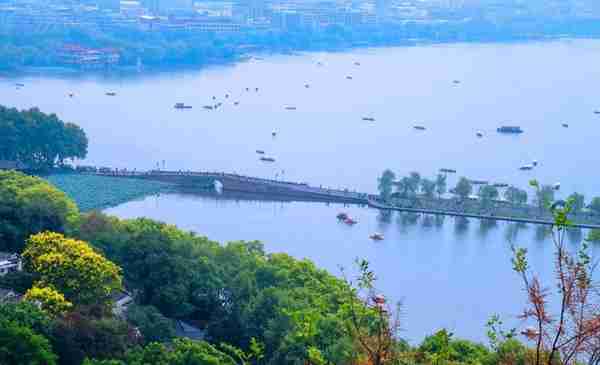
(132, 71)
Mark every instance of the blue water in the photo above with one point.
(447, 275)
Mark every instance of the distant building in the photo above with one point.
(10, 262)
(121, 301)
(188, 330)
(88, 58)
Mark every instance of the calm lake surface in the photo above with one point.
(448, 274)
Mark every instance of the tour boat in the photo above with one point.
(267, 159)
(111, 93)
(565, 125)
(182, 106)
(368, 119)
(448, 171)
(510, 129)
(419, 127)
(479, 134)
(376, 237)
(526, 167)
(349, 221)
(260, 152)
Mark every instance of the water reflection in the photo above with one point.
(461, 226)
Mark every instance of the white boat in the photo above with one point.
(556, 186)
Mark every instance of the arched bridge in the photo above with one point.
(246, 184)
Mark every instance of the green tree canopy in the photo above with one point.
(21, 345)
(463, 188)
(385, 184)
(29, 206)
(39, 140)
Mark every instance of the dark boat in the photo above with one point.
(290, 108)
(596, 111)
(357, 63)
(526, 168)
(19, 84)
(209, 107)
(419, 127)
(479, 134)
(260, 152)
(111, 93)
(349, 221)
(256, 89)
(236, 103)
(456, 81)
(348, 77)
(448, 171)
(510, 129)
(565, 125)
(306, 86)
(273, 133)
(376, 237)
(500, 185)
(226, 96)
(342, 216)
(267, 159)
(368, 119)
(182, 106)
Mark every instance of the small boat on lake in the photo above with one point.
(226, 96)
(565, 125)
(18, 84)
(306, 86)
(260, 152)
(479, 134)
(182, 106)
(526, 168)
(273, 133)
(247, 89)
(236, 103)
(267, 159)
(111, 93)
(510, 130)
(256, 89)
(349, 221)
(419, 127)
(596, 111)
(71, 95)
(377, 237)
(456, 82)
(342, 216)
(500, 185)
(368, 119)
(290, 108)
(534, 163)
(448, 171)
(356, 63)
(209, 107)
(556, 186)
(348, 77)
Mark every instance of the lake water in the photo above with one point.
(446, 273)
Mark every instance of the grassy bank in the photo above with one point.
(92, 192)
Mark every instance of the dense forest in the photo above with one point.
(38, 140)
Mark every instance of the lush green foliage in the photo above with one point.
(92, 192)
(30, 205)
(71, 266)
(183, 352)
(39, 140)
(21, 345)
(153, 326)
